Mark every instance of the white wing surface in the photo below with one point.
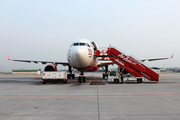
(39, 61)
(154, 59)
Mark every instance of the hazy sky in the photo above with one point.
(44, 29)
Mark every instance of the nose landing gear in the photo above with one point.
(81, 77)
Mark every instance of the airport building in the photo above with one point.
(27, 71)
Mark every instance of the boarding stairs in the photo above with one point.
(131, 65)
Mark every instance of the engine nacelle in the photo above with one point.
(50, 67)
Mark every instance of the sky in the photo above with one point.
(44, 29)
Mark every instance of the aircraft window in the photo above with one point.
(82, 44)
(75, 44)
(87, 45)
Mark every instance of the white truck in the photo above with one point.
(54, 77)
(114, 76)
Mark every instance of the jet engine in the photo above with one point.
(50, 67)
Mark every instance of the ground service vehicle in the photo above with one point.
(114, 76)
(54, 77)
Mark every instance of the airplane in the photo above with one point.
(81, 55)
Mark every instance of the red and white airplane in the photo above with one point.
(81, 56)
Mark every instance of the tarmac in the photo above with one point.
(26, 98)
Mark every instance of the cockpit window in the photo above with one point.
(87, 45)
(75, 44)
(82, 44)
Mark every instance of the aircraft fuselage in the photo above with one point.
(81, 55)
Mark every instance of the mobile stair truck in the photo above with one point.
(54, 77)
(127, 63)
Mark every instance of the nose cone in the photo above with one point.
(79, 57)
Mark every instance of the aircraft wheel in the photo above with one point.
(139, 80)
(107, 75)
(84, 80)
(79, 79)
(103, 75)
(73, 76)
(68, 76)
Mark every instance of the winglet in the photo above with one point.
(9, 58)
(172, 56)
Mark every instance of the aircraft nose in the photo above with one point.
(79, 55)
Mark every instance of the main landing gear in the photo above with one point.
(106, 70)
(69, 76)
(81, 77)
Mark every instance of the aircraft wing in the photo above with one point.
(101, 64)
(39, 61)
(154, 59)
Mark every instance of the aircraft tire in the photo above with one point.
(68, 76)
(103, 75)
(107, 75)
(73, 76)
(79, 78)
(84, 80)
